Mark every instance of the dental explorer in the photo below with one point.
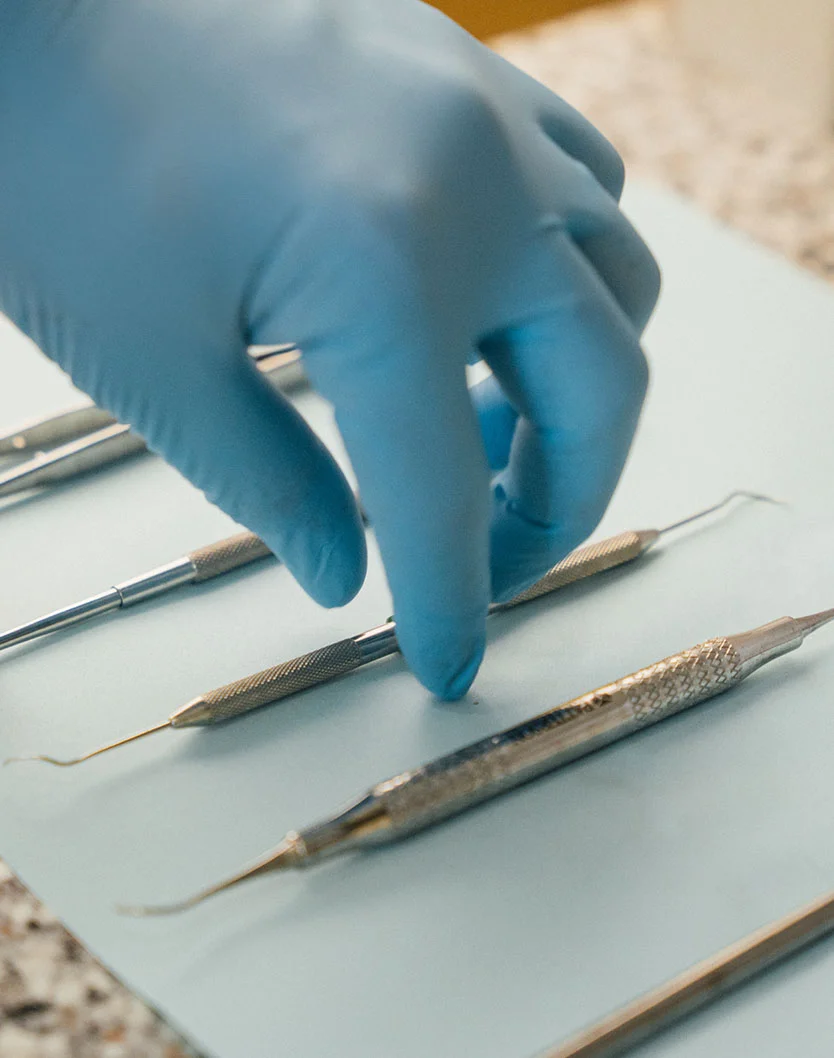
(701, 984)
(197, 567)
(398, 807)
(225, 555)
(340, 658)
(57, 429)
(88, 438)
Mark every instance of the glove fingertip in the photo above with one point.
(337, 575)
(456, 686)
(445, 660)
(330, 570)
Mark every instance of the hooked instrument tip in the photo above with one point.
(159, 910)
(737, 494)
(290, 853)
(93, 753)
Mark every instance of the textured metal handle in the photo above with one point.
(584, 562)
(280, 681)
(226, 555)
(486, 768)
(56, 430)
(99, 449)
(677, 682)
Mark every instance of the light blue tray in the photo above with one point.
(511, 927)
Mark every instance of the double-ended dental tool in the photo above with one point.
(82, 439)
(197, 567)
(417, 799)
(338, 659)
(701, 984)
(206, 563)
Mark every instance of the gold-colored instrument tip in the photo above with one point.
(814, 621)
(158, 910)
(290, 853)
(72, 761)
(737, 494)
(45, 760)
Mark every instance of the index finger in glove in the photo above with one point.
(405, 414)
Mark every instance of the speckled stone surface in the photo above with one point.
(737, 153)
(56, 1001)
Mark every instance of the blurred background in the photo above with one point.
(485, 18)
(729, 102)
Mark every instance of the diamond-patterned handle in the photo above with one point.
(584, 562)
(480, 771)
(282, 680)
(226, 555)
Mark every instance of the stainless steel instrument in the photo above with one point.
(59, 429)
(702, 984)
(201, 565)
(416, 799)
(88, 438)
(336, 659)
(101, 448)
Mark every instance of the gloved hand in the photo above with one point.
(182, 178)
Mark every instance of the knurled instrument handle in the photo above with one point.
(226, 555)
(482, 770)
(584, 562)
(271, 685)
(58, 429)
(107, 445)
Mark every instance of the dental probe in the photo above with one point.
(416, 799)
(201, 565)
(109, 444)
(88, 438)
(701, 984)
(45, 433)
(338, 659)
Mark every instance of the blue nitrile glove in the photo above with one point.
(181, 178)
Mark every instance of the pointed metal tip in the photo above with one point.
(814, 621)
(93, 753)
(760, 497)
(290, 853)
(156, 910)
(44, 760)
(737, 494)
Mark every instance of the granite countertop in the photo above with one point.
(738, 154)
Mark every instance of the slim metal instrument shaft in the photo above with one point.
(458, 781)
(110, 444)
(701, 985)
(58, 429)
(91, 438)
(240, 550)
(340, 658)
(201, 565)
(204, 564)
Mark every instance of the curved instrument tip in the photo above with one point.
(158, 910)
(72, 761)
(45, 760)
(290, 853)
(737, 494)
